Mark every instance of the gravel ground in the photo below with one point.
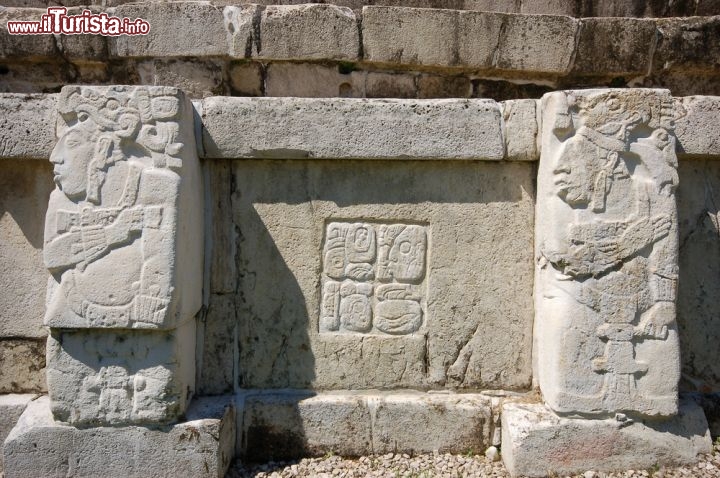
(440, 465)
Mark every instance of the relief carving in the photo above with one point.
(116, 171)
(607, 245)
(382, 268)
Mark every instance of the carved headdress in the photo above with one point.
(123, 120)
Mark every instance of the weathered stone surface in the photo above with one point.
(542, 43)
(699, 262)
(520, 130)
(389, 85)
(177, 29)
(121, 235)
(24, 46)
(23, 365)
(468, 338)
(220, 353)
(11, 407)
(423, 423)
(688, 44)
(202, 446)
(433, 86)
(102, 377)
(27, 124)
(223, 235)
(24, 189)
(291, 424)
(246, 79)
(242, 29)
(83, 47)
(696, 128)
(345, 128)
(430, 37)
(614, 46)
(196, 78)
(309, 80)
(607, 254)
(536, 442)
(306, 32)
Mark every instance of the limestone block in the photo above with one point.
(121, 236)
(293, 423)
(541, 43)
(430, 37)
(83, 47)
(389, 85)
(24, 46)
(27, 125)
(520, 129)
(196, 78)
(23, 366)
(220, 346)
(687, 44)
(696, 126)
(309, 80)
(347, 128)
(246, 79)
(177, 29)
(614, 46)
(434, 86)
(11, 407)
(440, 301)
(103, 377)
(24, 189)
(305, 32)
(424, 423)
(607, 254)
(242, 29)
(202, 446)
(699, 262)
(536, 442)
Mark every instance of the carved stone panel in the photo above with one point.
(606, 251)
(101, 377)
(123, 240)
(373, 278)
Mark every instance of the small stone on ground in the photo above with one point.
(441, 465)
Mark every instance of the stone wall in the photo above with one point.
(380, 51)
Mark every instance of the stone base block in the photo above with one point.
(11, 407)
(295, 423)
(202, 446)
(536, 442)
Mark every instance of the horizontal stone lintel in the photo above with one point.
(284, 424)
(340, 128)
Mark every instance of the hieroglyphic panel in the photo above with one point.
(607, 249)
(373, 275)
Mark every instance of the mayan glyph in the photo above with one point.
(373, 277)
(607, 252)
(124, 248)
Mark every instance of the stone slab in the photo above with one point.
(177, 29)
(202, 446)
(23, 365)
(536, 442)
(294, 423)
(115, 377)
(469, 310)
(27, 125)
(696, 128)
(521, 129)
(298, 128)
(11, 407)
(24, 189)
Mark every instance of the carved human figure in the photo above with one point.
(111, 211)
(615, 254)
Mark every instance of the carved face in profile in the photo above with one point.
(71, 158)
(575, 173)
